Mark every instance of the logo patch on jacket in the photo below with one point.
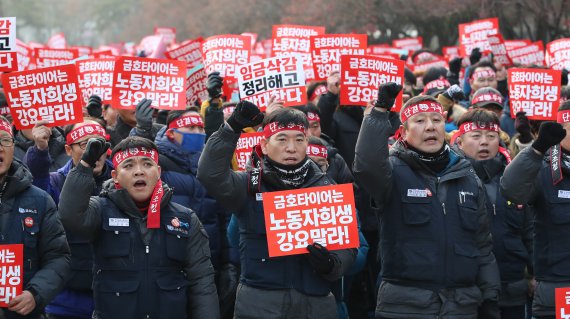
(177, 229)
(563, 194)
(419, 192)
(122, 222)
(22, 210)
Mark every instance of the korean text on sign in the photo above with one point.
(168, 33)
(11, 272)
(290, 39)
(532, 54)
(362, 75)
(534, 91)
(474, 35)
(96, 78)
(297, 218)
(410, 44)
(245, 145)
(162, 81)
(8, 55)
(191, 52)
(327, 49)
(558, 54)
(25, 54)
(499, 49)
(281, 76)
(196, 85)
(52, 57)
(562, 302)
(224, 53)
(48, 94)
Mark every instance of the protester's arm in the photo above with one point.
(202, 294)
(528, 234)
(38, 161)
(343, 260)
(488, 278)
(213, 119)
(327, 105)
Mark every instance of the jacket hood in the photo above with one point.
(18, 179)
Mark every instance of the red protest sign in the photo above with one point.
(297, 218)
(83, 50)
(327, 49)
(499, 49)
(190, 52)
(410, 44)
(534, 91)
(511, 44)
(245, 145)
(361, 76)
(224, 53)
(280, 76)
(450, 52)
(532, 54)
(162, 81)
(25, 54)
(474, 35)
(168, 33)
(11, 272)
(562, 302)
(196, 86)
(106, 54)
(48, 94)
(96, 78)
(8, 46)
(52, 57)
(558, 54)
(291, 39)
(57, 41)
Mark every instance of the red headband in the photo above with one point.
(563, 116)
(274, 128)
(85, 130)
(483, 74)
(6, 127)
(132, 152)
(421, 107)
(317, 150)
(436, 84)
(229, 109)
(320, 90)
(472, 126)
(313, 117)
(487, 97)
(187, 120)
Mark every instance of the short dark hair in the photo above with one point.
(316, 140)
(479, 116)
(174, 115)
(564, 106)
(310, 107)
(434, 73)
(286, 116)
(133, 142)
(312, 86)
(480, 64)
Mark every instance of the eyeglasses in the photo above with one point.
(7, 142)
(82, 145)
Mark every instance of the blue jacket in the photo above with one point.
(179, 172)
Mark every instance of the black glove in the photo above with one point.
(564, 77)
(214, 85)
(95, 148)
(143, 115)
(320, 258)
(475, 56)
(387, 94)
(489, 309)
(95, 106)
(228, 281)
(246, 114)
(522, 126)
(455, 65)
(455, 93)
(549, 134)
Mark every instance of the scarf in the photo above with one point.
(559, 161)
(292, 176)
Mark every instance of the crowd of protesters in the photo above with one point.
(142, 214)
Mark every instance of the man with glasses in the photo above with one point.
(29, 216)
(76, 300)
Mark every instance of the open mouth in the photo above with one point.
(140, 184)
(431, 139)
(484, 153)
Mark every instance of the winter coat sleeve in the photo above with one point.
(78, 211)
(327, 105)
(39, 161)
(372, 168)
(213, 119)
(528, 235)
(519, 181)
(229, 188)
(339, 171)
(202, 294)
(54, 269)
(343, 260)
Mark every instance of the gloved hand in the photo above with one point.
(143, 115)
(95, 106)
(455, 93)
(564, 80)
(549, 134)
(246, 114)
(227, 286)
(214, 85)
(475, 56)
(522, 126)
(455, 65)
(387, 94)
(95, 148)
(489, 309)
(320, 258)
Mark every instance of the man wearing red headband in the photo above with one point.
(29, 217)
(539, 176)
(150, 255)
(435, 242)
(278, 162)
(511, 224)
(76, 300)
